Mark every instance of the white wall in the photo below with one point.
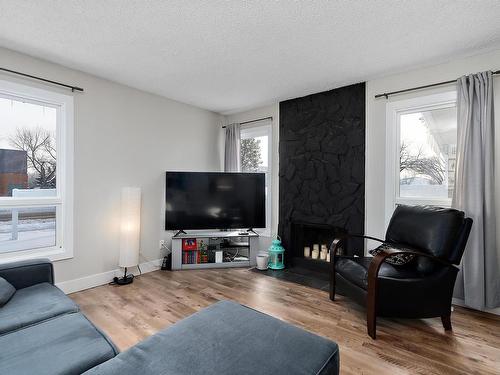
(261, 112)
(123, 137)
(376, 123)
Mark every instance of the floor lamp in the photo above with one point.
(129, 232)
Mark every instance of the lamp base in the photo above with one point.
(125, 279)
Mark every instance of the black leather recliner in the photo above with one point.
(434, 238)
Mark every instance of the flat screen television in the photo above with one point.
(214, 200)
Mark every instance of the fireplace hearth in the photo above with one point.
(305, 270)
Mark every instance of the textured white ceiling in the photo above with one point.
(228, 56)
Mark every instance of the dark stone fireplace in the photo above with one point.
(321, 171)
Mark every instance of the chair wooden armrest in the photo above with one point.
(335, 245)
(366, 237)
(373, 270)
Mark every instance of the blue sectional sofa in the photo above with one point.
(43, 332)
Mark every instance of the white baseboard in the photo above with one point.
(461, 302)
(98, 279)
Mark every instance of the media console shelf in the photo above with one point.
(215, 249)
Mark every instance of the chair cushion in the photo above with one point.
(355, 270)
(227, 338)
(6, 291)
(68, 344)
(431, 229)
(34, 304)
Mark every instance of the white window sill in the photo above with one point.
(52, 253)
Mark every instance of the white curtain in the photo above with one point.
(478, 282)
(232, 144)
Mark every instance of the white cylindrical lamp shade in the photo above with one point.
(130, 227)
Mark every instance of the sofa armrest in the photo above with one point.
(25, 273)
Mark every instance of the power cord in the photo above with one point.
(141, 255)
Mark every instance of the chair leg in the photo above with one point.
(371, 322)
(446, 320)
(332, 277)
(332, 287)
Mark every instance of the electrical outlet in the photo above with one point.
(162, 243)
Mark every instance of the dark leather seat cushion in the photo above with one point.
(355, 270)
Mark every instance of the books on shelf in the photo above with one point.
(194, 251)
(191, 257)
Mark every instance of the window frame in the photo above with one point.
(256, 129)
(394, 110)
(63, 201)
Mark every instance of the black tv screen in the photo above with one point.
(215, 200)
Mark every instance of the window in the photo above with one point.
(421, 150)
(36, 178)
(256, 156)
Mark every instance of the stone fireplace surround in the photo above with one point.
(322, 171)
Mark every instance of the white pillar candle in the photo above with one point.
(322, 255)
(315, 253)
(307, 252)
(324, 251)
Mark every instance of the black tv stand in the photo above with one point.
(180, 232)
(251, 230)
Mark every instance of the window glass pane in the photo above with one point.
(254, 154)
(27, 148)
(427, 153)
(27, 228)
(255, 143)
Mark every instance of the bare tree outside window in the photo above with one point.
(419, 165)
(40, 147)
(426, 157)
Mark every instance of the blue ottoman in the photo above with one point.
(227, 338)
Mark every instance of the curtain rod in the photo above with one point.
(387, 94)
(248, 122)
(73, 88)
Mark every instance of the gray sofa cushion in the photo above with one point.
(6, 291)
(32, 305)
(68, 344)
(227, 338)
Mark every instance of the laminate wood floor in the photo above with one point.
(158, 299)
